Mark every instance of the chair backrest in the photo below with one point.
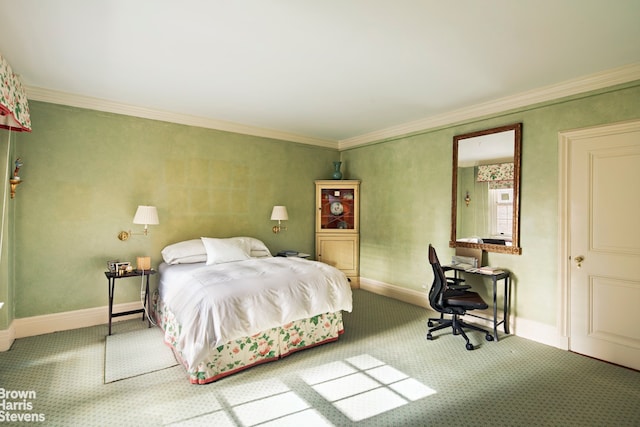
(436, 293)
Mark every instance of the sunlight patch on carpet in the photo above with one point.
(363, 386)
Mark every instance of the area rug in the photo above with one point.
(134, 353)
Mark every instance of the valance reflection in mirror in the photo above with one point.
(485, 190)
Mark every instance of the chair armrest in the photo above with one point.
(457, 284)
(459, 287)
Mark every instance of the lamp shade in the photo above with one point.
(14, 109)
(279, 213)
(147, 215)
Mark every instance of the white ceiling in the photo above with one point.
(334, 71)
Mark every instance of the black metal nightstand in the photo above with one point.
(111, 277)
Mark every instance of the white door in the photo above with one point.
(604, 229)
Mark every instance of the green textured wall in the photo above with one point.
(406, 197)
(7, 225)
(85, 172)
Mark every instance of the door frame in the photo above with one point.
(565, 141)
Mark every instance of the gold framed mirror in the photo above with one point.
(485, 197)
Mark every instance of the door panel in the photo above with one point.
(624, 295)
(614, 179)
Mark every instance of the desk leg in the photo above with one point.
(505, 316)
(147, 301)
(495, 307)
(144, 302)
(111, 286)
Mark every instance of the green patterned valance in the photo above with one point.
(14, 109)
(499, 172)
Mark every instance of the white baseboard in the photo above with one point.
(539, 332)
(410, 296)
(531, 330)
(7, 337)
(45, 324)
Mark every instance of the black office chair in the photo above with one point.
(454, 286)
(453, 302)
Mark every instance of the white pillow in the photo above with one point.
(220, 251)
(187, 252)
(260, 254)
(257, 248)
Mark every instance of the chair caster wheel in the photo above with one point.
(489, 337)
(430, 324)
(469, 346)
(429, 336)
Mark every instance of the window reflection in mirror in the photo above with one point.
(486, 183)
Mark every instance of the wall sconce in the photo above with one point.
(279, 213)
(13, 183)
(147, 215)
(15, 180)
(467, 199)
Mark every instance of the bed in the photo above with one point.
(227, 304)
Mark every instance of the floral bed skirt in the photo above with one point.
(242, 353)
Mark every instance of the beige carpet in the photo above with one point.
(129, 354)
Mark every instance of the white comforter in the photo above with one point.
(218, 303)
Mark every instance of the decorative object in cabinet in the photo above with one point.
(337, 226)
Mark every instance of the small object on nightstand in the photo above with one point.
(293, 254)
(143, 263)
(121, 268)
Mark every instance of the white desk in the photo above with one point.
(506, 276)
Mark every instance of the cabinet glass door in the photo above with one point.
(337, 210)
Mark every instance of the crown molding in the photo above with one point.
(595, 81)
(56, 97)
